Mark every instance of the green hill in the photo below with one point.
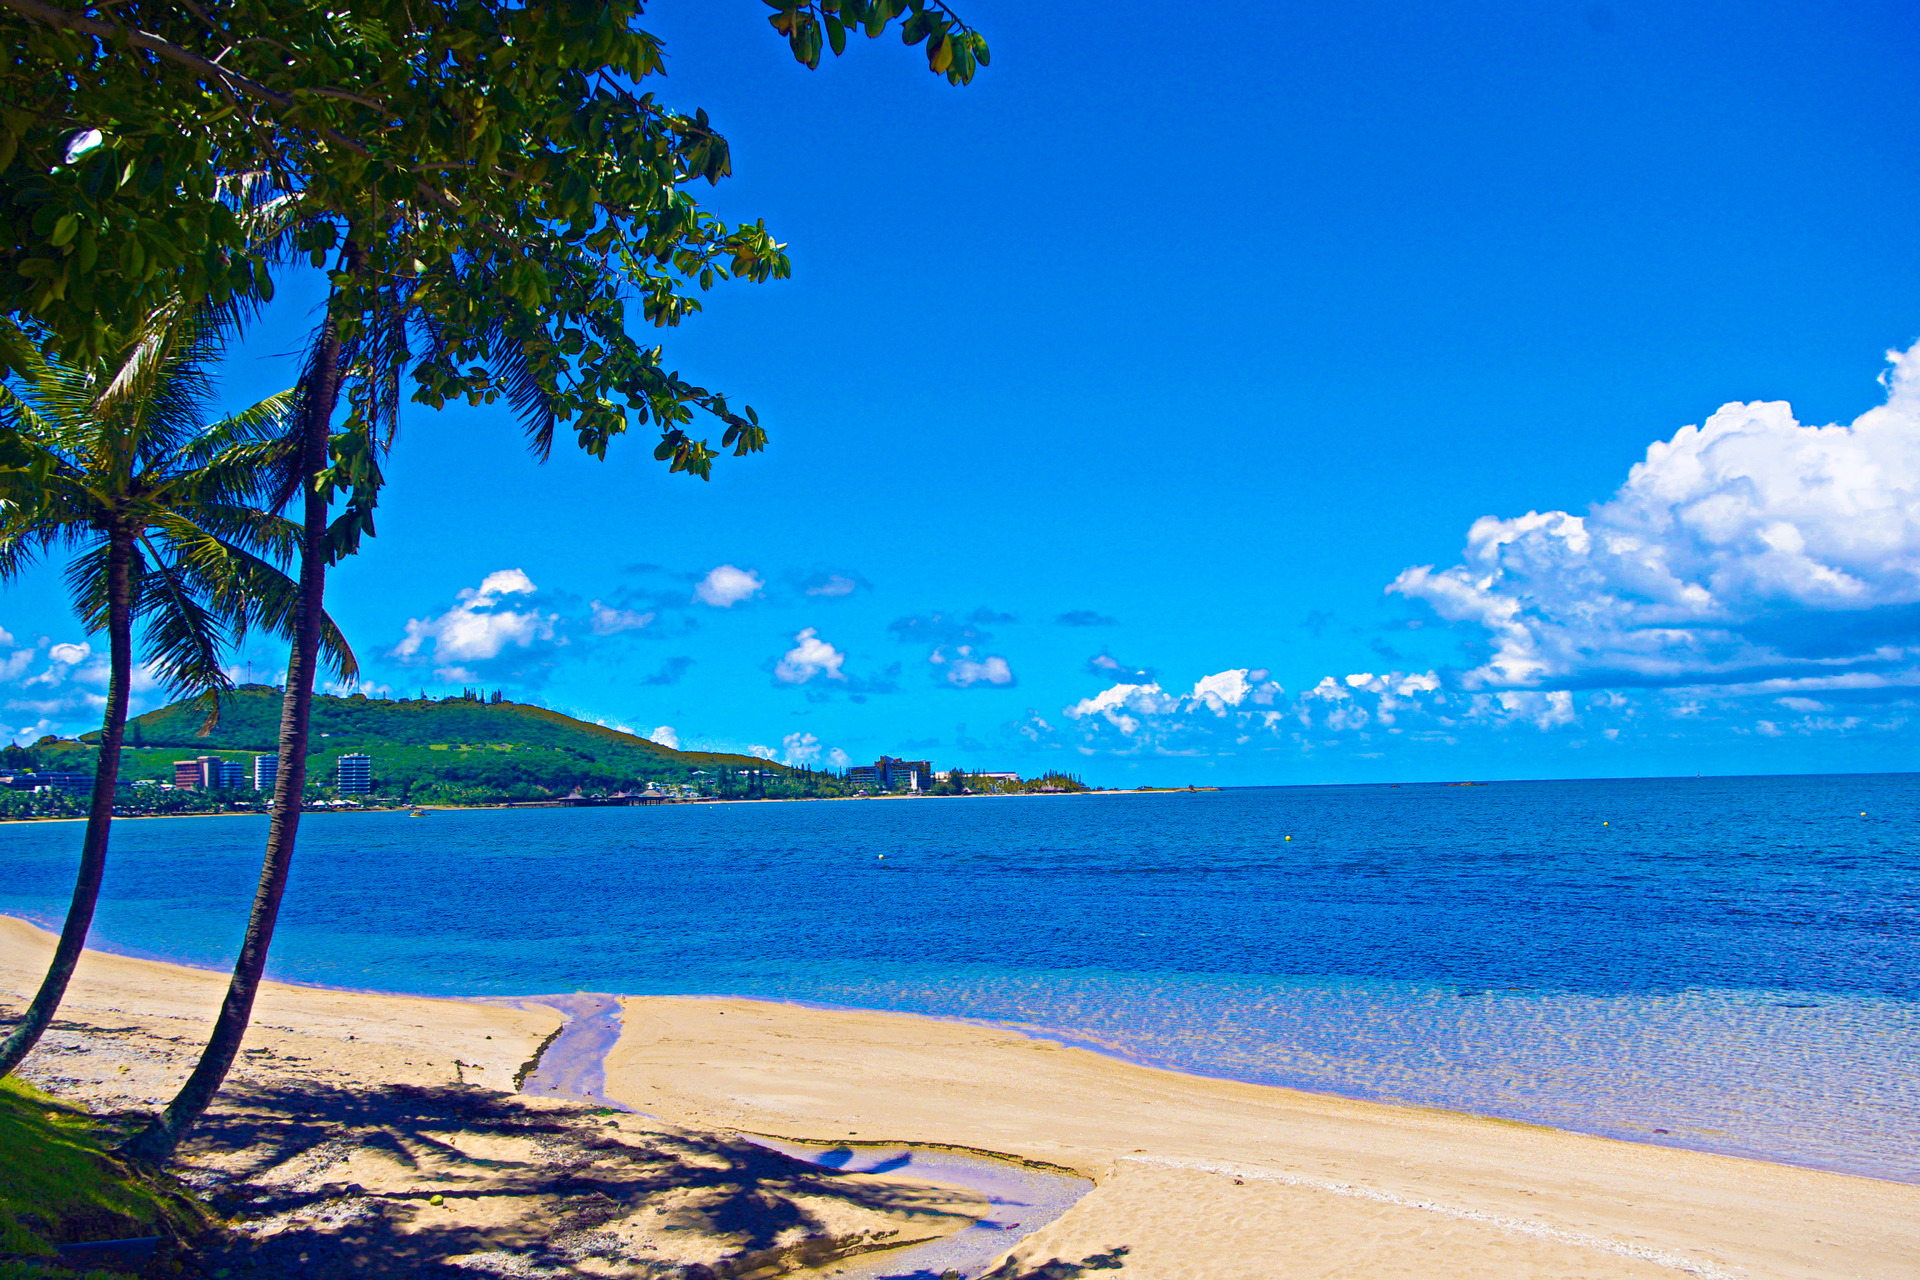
(459, 749)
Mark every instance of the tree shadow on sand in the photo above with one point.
(320, 1182)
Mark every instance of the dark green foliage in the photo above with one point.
(487, 180)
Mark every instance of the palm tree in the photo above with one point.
(171, 528)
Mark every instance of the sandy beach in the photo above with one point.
(351, 1111)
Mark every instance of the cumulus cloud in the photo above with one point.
(1747, 548)
(666, 735)
(1138, 715)
(830, 584)
(485, 623)
(810, 656)
(607, 621)
(727, 586)
(799, 749)
(70, 655)
(1107, 667)
(964, 669)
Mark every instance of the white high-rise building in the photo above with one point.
(266, 771)
(353, 776)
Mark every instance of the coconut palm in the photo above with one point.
(171, 528)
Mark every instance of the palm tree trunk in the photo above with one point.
(106, 776)
(162, 1134)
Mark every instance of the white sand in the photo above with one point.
(1218, 1180)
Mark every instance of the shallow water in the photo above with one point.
(1735, 962)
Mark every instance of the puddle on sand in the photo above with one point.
(1023, 1198)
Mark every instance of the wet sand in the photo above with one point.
(1208, 1179)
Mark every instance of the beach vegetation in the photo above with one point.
(166, 521)
(59, 1185)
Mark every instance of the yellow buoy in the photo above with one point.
(1289, 837)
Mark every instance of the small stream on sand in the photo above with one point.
(1024, 1199)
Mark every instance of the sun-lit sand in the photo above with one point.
(1215, 1179)
(1195, 1177)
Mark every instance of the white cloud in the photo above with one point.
(1543, 710)
(838, 758)
(15, 664)
(1124, 705)
(339, 689)
(1750, 546)
(666, 736)
(765, 753)
(70, 655)
(501, 582)
(837, 584)
(800, 748)
(479, 628)
(607, 621)
(1230, 688)
(727, 586)
(964, 670)
(809, 657)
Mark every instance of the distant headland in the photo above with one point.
(469, 749)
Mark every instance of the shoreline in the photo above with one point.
(1033, 1032)
(1195, 1175)
(555, 803)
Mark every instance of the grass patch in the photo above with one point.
(59, 1186)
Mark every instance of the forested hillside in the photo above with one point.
(460, 749)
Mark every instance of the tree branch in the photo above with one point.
(54, 16)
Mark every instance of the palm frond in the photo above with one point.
(183, 637)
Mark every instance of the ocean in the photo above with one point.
(1727, 964)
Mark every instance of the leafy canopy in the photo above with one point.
(496, 194)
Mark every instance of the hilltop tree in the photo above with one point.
(488, 186)
(113, 459)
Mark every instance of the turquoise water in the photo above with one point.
(1735, 962)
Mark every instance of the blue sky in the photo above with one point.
(1284, 393)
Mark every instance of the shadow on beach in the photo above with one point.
(403, 1180)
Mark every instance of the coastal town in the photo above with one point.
(211, 783)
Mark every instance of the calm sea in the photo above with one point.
(1722, 963)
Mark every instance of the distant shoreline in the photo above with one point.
(554, 804)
